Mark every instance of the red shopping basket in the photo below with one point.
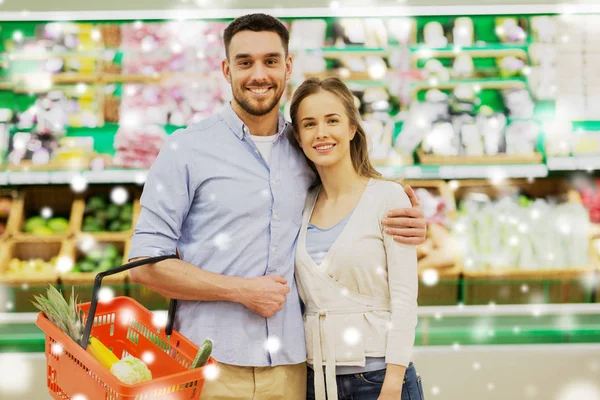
(126, 327)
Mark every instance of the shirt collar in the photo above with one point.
(238, 127)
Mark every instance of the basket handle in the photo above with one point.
(98, 282)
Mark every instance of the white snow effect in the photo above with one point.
(430, 277)
(64, 264)
(78, 183)
(119, 195)
(222, 241)
(476, 366)
(491, 386)
(79, 397)
(580, 390)
(435, 390)
(96, 35)
(453, 185)
(126, 316)
(46, 212)
(211, 372)
(456, 346)
(159, 319)
(273, 344)
(140, 178)
(56, 349)
(516, 330)
(352, 336)
(345, 292)
(16, 375)
(524, 288)
(81, 88)
(105, 295)
(148, 357)
(438, 316)
(87, 243)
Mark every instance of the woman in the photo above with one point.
(358, 285)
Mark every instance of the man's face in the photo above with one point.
(257, 69)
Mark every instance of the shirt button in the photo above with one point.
(256, 151)
(276, 217)
(273, 181)
(273, 249)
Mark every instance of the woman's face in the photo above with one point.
(324, 130)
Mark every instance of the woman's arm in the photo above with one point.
(403, 283)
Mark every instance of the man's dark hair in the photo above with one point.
(256, 23)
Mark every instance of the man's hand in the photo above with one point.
(408, 225)
(265, 295)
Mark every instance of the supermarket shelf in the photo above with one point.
(576, 163)
(476, 47)
(438, 326)
(138, 176)
(66, 177)
(466, 171)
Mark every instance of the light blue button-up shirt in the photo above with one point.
(212, 196)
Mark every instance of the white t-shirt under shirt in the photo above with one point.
(264, 145)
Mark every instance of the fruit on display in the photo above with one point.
(100, 258)
(39, 225)
(33, 266)
(103, 216)
(438, 251)
(515, 231)
(435, 207)
(590, 197)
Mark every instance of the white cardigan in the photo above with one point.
(362, 300)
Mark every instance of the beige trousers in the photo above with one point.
(284, 382)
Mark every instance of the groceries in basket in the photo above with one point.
(69, 318)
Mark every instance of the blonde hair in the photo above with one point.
(359, 152)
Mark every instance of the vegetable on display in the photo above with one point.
(103, 216)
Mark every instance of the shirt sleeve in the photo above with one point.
(403, 282)
(165, 202)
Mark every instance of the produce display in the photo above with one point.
(435, 207)
(31, 267)
(439, 250)
(102, 257)
(517, 232)
(103, 215)
(42, 225)
(5, 206)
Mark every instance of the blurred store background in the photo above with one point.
(491, 111)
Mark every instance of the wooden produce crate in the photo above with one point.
(445, 292)
(17, 290)
(83, 282)
(433, 159)
(518, 286)
(542, 187)
(58, 199)
(82, 209)
(8, 218)
(524, 287)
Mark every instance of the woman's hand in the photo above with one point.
(390, 394)
(408, 225)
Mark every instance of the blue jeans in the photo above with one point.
(367, 385)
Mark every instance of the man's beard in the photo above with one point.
(246, 105)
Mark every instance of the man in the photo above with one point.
(227, 194)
